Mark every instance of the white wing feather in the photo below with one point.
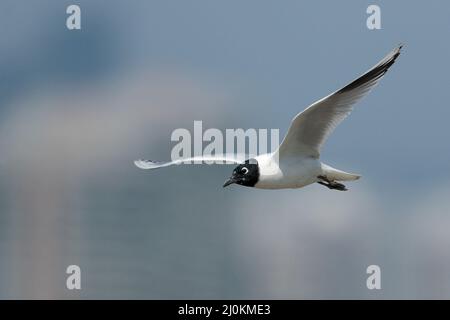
(227, 159)
(310, 128)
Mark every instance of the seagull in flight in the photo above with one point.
(296, 163)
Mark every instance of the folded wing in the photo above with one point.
(310, 128)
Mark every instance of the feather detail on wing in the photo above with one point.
(310, 128)
(226, 159)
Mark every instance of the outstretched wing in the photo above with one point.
(150, 164)
(310, 128)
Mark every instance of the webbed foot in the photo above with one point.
(331, 184)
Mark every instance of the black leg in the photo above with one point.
(337, 186)
(323, 183)
(333, 185)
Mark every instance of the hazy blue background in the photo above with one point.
(76, 107)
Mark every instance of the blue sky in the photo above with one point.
(78, 106)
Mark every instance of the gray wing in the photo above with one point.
(310, 128)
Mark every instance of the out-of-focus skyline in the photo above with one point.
(77, 107)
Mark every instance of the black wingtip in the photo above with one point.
(376, 72)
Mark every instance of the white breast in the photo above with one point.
(288, 173)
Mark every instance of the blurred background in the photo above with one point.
(77, 107)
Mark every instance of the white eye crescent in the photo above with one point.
(244, 170)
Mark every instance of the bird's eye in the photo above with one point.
(244, 170)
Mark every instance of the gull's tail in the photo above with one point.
(333, 174)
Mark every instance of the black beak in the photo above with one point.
(231, 180)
